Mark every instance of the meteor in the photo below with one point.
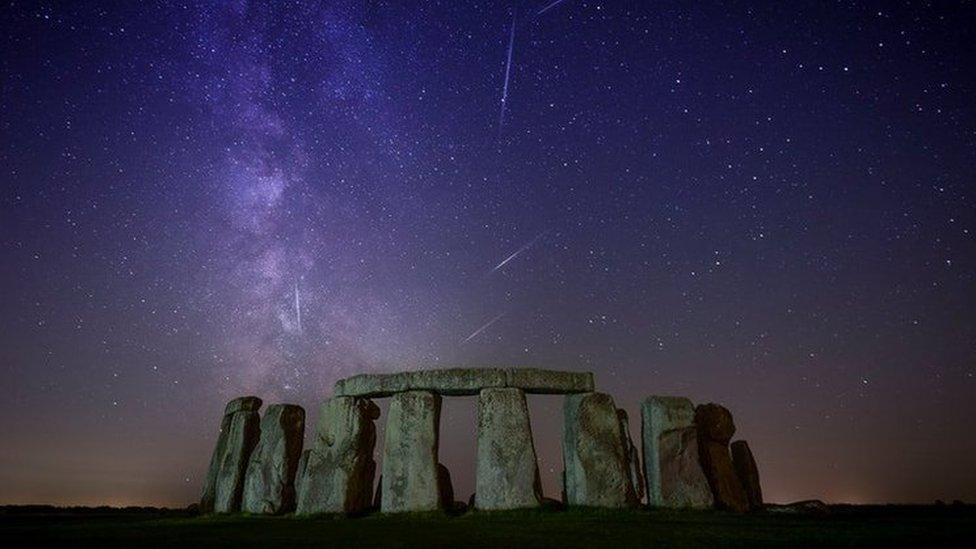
(298, 308)
(508, 71)
(549, 7)
(516, 253)
(481, 329)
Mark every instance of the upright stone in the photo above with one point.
(239, 432)
(508, 473)
(300, 473)
(748, 473)
(682, 482)
(633, 456)
(595, 453)
(715, 428)
(339, 470)
(445, 486)
(269, 485)
(660, 414)
(410, 454)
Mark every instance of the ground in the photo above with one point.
(864, 526)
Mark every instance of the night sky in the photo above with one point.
(769, 206)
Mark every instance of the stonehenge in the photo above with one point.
(671, 470)
(259, 464)
(715, 429)
(410, 475)
(337, 475)
(239, 431)
(748, 473)
(595, 454)
(508, 474)
(269, 484)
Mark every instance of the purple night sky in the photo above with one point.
(770, 206)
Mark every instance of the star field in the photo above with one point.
(769, 206)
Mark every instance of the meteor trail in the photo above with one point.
(481, 329)
(517, 252)
(549, 7)
(508, 71)
(298, 308)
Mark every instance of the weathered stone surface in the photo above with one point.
(683, 482)
(410, 453)
(269, 485)
(465, 381)
(451, 381)
(223, 451)
(243, 404)
(553, 382)
(633, 456)
(210, 483)
(445, 486)
(715, 428)
(714, 422)
(507, 473)
(339, 470)
(243, 432)
(595, 454)
(300, 473)
(748, 473)
(660, 414)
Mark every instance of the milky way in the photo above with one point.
(764, 205)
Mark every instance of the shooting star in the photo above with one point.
(508, 72)
(549, 7)
(481, 329)
(517, 252)
(298, 308)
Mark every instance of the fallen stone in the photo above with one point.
(682, 483)
(633, 456)
(445, 486)
(805, 507)
(507, 471)
(595, 454)
(465, 381)
(410, 481)
(748, 473)
(269, 484)
(339, 470)
(660, 414)
(715, 428)
(242, 429)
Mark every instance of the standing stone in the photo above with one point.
(660, 414)
(633, 456)
(748, 473)
(683, 483)
(508, 474)
(595, 454)
(300, 473)
(715, 428)
(239, 432)
(410, 453)
(339, 470)
(446, 487)
(269, 485)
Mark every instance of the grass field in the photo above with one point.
(844, 526)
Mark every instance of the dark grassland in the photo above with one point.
(844, 526)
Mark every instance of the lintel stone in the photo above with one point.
(465, 382)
